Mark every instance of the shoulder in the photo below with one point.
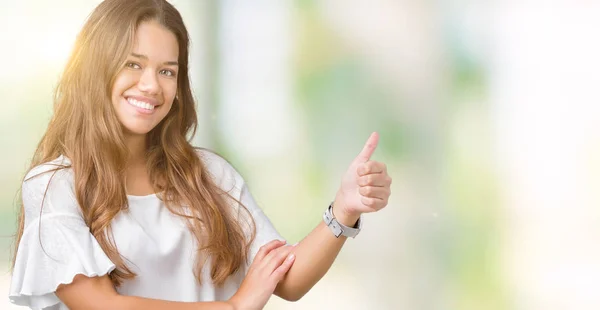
(59, 163)
(50, 183)
(57, 170)
(223, 173)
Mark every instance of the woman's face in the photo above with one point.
(145, 88)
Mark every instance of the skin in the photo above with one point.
(287, 271)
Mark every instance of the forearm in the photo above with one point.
(314, 256)
(98, 293)
(135, 303)
(365, 187)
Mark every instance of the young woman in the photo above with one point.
(119, 210)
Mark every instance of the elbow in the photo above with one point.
(291, 295)
(291, 298)
(294, 298)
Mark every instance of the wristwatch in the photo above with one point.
(339, 229)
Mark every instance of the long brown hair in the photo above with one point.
(85, 129)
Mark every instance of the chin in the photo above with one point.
(140, 131)
(137, 130)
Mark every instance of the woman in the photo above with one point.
(121, 212)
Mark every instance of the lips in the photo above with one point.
(142, 104)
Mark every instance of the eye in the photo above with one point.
(132, 65)
(168, 72)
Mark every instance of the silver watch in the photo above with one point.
(339, 229)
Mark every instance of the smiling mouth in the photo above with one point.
(140, 104)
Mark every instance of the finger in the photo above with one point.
(373, 203)
(374, 192)
(265, 249)
(371, 167)
(280, 272)
(369, 148)
(374, 180)
(276, 257)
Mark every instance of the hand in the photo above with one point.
(365, 186)
(270, 265)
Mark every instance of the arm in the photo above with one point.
(314, 256)
(365, 188)
(272, 262)
(99, 293)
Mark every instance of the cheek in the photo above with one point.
(123, 82)
(169, 90)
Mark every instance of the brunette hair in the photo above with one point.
(85, 129)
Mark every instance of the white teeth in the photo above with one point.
(140, 104)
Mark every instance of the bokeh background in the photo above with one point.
(488, 112)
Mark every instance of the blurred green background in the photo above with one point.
(488, 119)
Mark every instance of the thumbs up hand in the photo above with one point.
(365, 186)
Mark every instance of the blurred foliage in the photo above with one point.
(27, 112)
(471, 243)
(340, 98)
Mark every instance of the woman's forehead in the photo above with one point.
(156, 42)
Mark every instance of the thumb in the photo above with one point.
(368, 149)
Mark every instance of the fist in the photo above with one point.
(365, 185)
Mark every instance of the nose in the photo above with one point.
(148, 83)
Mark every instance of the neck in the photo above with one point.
(137, 181)
(137, 149)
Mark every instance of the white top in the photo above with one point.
(158, 244)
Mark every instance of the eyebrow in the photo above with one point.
(168, 63)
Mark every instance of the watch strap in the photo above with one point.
(338, 229)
